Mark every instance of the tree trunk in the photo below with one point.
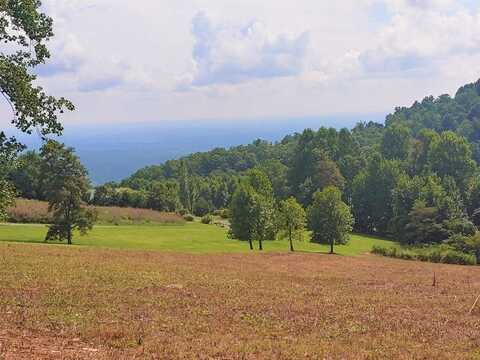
(69, 235)
(260, 245)
(331, 246)
(69, 222)
(251, 244)
(477, 255)
(291, 241)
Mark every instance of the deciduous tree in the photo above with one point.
(451, 155)
(329, 218)
(241, 213)
(292, 220)
(396, 142)
(66, 184)
(24, 32)
(253, 210)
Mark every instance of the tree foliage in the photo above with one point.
(7, 197)
(66, 185)
(372, 194)
(415, 176)
(253, 210)
(24, 33)
(396, 142)
(292, 221)
(329, 218)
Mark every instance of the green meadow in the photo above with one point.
(189, 238)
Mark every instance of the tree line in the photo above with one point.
(415, 179)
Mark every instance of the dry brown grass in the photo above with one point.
(36, 212)
(118, 215)
(29, 212)
(76, 303)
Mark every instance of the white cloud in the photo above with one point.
(421, 33)
(230, 54)
(122, 60)
(75, 62)
(68, 56)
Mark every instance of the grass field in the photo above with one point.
(58, 302)
(189, 237)
(203, 296)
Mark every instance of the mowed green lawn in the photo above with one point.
(190, 238)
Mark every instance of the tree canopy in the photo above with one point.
(24, 33)
(66, 186)
(416, 174)
(329, 218)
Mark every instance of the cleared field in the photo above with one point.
(34, 211)
(189, 237)
(82, 303)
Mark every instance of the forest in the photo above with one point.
(414, 179)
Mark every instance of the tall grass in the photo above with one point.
(36, 212)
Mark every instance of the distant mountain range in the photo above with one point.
(113, 151)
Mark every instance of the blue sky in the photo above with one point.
(157, 60)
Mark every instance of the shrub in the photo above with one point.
(207, 219)
(437, 254)
(202, 207)
(225, 214)
(222, 213)
(189, 218)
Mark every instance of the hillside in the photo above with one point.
(415, 179)
(460, 113)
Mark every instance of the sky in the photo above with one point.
(163, 60)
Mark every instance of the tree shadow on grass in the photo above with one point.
(37, 242)
(316, 252)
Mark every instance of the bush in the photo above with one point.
(437, 254)
(222, 213)
(201, 208)
(183, 212)
(189, 218)
(225, 214)
(207, 219)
